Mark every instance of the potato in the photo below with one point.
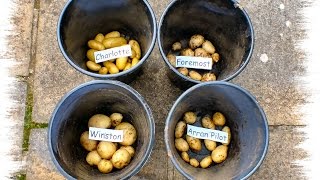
(112, 34)
(129, 133)
(103, 70)
(176, 46)
(120, 158)
(114, 42)
(228, 131)
(189, 117)
(99, 37)
(185, 156)
(180, 129)
(195, 75)
(130, 150)
(121, 62)
(116, 119)
(106, 149)
(208, 46)
(172, 59)
(184, 71)
(196, 41)
(215, 57)
(187, 52)
(199, 52)
(218, 119)
(194, 143)
(128, 66)
(181, 145)
(133, 54)
(207, 122)
(136, 47)
(93, 158)
(134, 62)
(90, 55)
(87, 143)
(93, 44)
(208, 77)
(105, 166)
(99, 121)
(113, 69)
(194, 162)
(210, 145)
(206, 162)
(219, 154)
(93, 66)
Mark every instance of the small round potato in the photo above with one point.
(187, 52)
(215, 57)
(116, 119)
(120, 158)
(194, 162)
(183, 71)
(219, 154)
(172, 59)
(196, 41)
(200, 52)
(130, 150)
(180, 129)
(210, 145)
(218, 119)
(190, 117)
(206, 162)
(93, 66)
(195, 75)
(129, 133)
(207, 122)
(103, 70)
(194, 143)
(87, 143)
(228, 131)
(106, 149)
(105, 166)
(181, 145)
(93, 158)
(99, 121)
(208, 77)
(208, 46)
(176, 46)
(185, 156)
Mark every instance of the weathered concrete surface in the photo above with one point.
(39, 164)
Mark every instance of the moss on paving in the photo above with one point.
(21, 177)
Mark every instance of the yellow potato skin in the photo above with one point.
(93, 66)
(114, 42)
(93, 44)
(136, 47)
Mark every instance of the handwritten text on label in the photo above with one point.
(112, 53)
(203, 133)
(100, 134)
(194, 62)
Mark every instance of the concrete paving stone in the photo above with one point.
(53, 75)
(39, 163)
(19, 39)
(273, 80)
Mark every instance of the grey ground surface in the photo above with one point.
(273, 82)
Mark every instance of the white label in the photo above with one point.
(203, 133)
(100, 134)
(194, 62)
(113, 53)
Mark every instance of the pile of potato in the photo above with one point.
(198, 46)
(111, 40)
(108, 155)
(185, 143)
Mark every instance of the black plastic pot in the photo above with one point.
(226, 24)
(244, 116)
(82, 20)
(70, 119)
